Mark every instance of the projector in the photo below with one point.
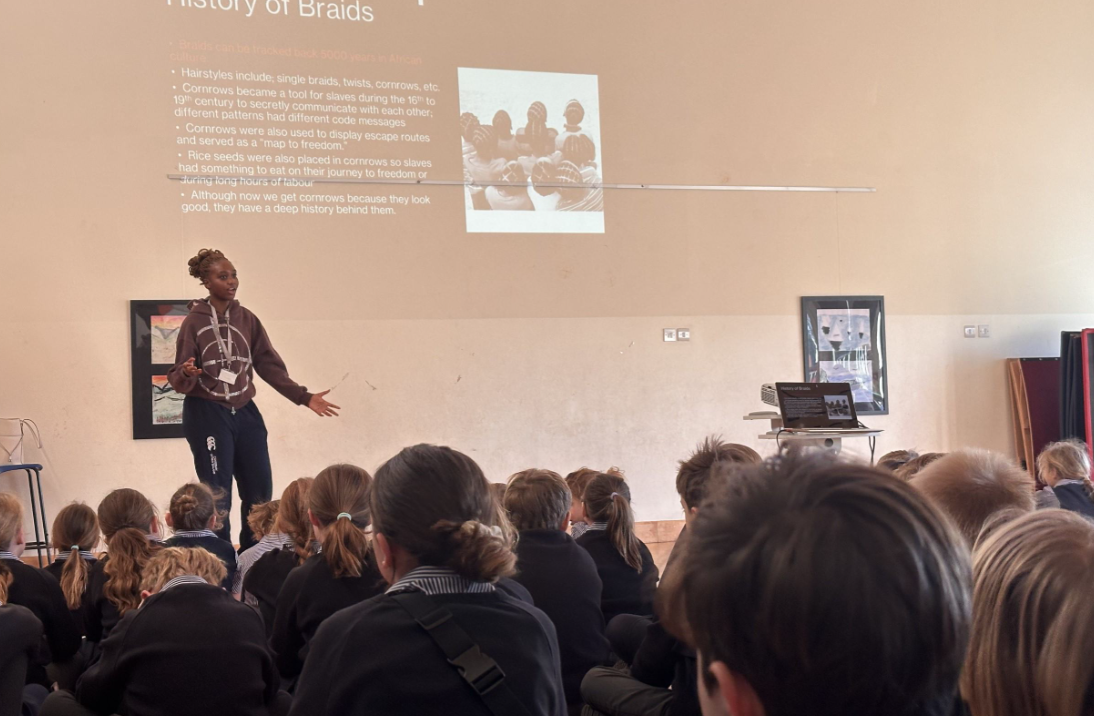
(768, 394)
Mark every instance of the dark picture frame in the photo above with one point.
(843, 341)
(153, 329)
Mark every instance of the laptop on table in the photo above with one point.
(818, 408)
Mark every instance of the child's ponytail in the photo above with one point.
(292, 517)
(75, 530)
(608, 499)
(5, 582)
(339, 502)
(126, 518)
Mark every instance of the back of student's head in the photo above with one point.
(11, 519)
(1065, 460)
(537, 500)
(435, 503)
(916, 465)
(1033, 619)
(194, 507)
(579, 479)
(503, 124)
(338, 501)
(695, 472)
(608, 499)
(125, 518)
(75, 530)
(970, 485)
(830, 588)
(468, 124)
(894, 460)
(171, 562)
(262, 518)
(292, 516)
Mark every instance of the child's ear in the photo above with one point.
(733, 693)
(212, 521)
(145, 594)
(169, 521)
(313, 520)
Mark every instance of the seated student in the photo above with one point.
(189, 649)
(1033, 620)
(18, 651)
(624, 563)
(580, 150)
(810, 587)
(510, 198)
(576, 197)
(663, 675)
(537, 143)
(1064, 467)
(574, 114)
(543, 196)
(36, 590)
(265, 579)
(441, 546)
(971, 485)
(577, 481)
(484, 166)
(342, 574)
(537, 114)
(560, 576)
(129, 525)
(508, 148)
(75, 535)
(194, 518)
(262, 521)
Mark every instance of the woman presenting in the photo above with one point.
(220, 346)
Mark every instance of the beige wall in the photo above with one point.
(971, 120)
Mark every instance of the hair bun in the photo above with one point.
(481, 552)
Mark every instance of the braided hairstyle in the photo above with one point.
(201, 265)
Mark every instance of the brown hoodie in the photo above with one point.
(251, 350)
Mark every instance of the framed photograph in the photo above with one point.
(843, 341)
(153, 330)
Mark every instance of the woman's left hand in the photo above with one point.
(321, 407)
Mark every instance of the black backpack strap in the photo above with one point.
(476, 667)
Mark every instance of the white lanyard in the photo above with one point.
(225, 347)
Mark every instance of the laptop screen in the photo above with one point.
(817, 405)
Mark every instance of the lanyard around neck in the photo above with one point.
(225, 347)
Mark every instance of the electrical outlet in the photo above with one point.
(683, 334)
(970, 331)
(670, 335)
(983, 330)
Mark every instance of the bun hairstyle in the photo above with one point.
(292, 516)
(202, 263)
(262, 518)
(608, 499)
(435, 503)
(171, 562)
(339, 502)
(193, 506)
(75, 529)
(125, 517)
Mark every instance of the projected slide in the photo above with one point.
(531, 151)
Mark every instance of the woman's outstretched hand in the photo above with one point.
(189, 369)
(321, 407)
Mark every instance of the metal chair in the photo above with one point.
(34, 482)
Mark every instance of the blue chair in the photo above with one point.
(34, 482)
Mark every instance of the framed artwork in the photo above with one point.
(153, 329)
(843, 341)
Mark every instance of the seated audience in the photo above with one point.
(560, 576)
(1064, 467)
(262, 521)
(971, 485)
(442, 545)
(342, 574)
(624, 563)
(75, 535)
(194, 518)
(189, 649)
(18, 651)
(264, 580)
(914, 466)
(129, 525)
(1033, 620)
(810, 587)
(38, 591)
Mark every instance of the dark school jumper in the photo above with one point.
(222, 424)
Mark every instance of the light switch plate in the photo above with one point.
(683, 334)
(670, 334)
(970, 331)
(983, 330)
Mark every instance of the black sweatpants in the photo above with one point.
(226, 444)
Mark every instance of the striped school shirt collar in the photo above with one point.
(438, 580)
(90, 556)
(598, 526)
(183, 579)
(8, 555)
(578, 528)
(194, 534)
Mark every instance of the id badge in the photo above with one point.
(227, 376)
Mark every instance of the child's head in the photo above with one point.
(485, 141)
(432, 506)
(695, 473)
(262, 518)
(75, 530)
(574, 114)
(812, 586)
(538, 500)
(537, 112)
(971, 485)
(468, 124)
(1064, 460)
(1033, 619)
(538, 138)
(193, 507)
(913, 467)
(892, 461)
(514, 175)
(579, 149)
(503, 124)
(543, 173)
(11, 524)
(569, 175)
(127, 520)
(339, 511)
(172, 562)
(577, 481)
(292, 516)
(608, 499)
